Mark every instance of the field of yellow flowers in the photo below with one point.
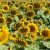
(24, 26)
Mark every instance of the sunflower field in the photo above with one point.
(25, 26)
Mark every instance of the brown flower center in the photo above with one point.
(24, 30)
(20, 16)
(13, 12)
(32, 28)
(45, 33)
(0, 14)
(36, 5)
(5, 8)
(46, 12)
(26, 23)
(14, 36)
(9, 20)
(1, 20)
(30, 14)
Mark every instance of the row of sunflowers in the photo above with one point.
(25, 26)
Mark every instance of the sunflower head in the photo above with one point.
(4, 35)
(45, 33)
(46, 12)
(20, 16)
(1, 14)
(48, 4)
(26, 23)
(14, 12)
(8, 20)
(33, 27)
(36, 5)
(17, 25)
(13, 36)
(24, 30)
(30, 14)
(5, 8)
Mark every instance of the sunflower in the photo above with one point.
(37, 5)
(17, 25)
(30, 7)
(1, 14)
(38, 22)
(32, 37)
(24, 30)
(4, 35)
(13, 36)
(45, 33)
(21, 42)
(8, 20)
(48, 4)
(2, 21)
(14, 12)
(23, 19)
(47, 11)
(26, 23)
(20, 16)
(30, 14)
(5, 8)
(33, 27)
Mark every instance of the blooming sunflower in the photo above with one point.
(13, 36)
(45, 33)
(30, 14)
(4, 35)
(24, 30)
(5, 8)
(33, 27)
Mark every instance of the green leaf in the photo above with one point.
(16, 19)
(47, 44)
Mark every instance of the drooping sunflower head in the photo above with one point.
(8, 20)
(33, 27)
(30, 14)
(21, 42)
(24, 30)
(5, 8)
(45, 33)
